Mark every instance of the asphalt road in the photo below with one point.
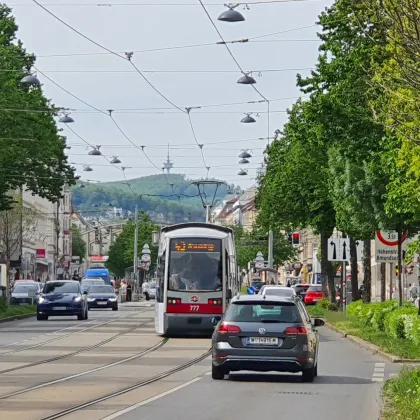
(348, 388)
(82, 361)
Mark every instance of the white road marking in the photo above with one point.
(156, 397)
(208, 373)
(378, 372)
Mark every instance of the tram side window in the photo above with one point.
(160, 278)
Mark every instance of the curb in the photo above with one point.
(17, 317)
(371, 347)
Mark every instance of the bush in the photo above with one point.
(316, 311)
(332, 307)
(323, 303)
(380, 309)
(3, 304)
(394, 321)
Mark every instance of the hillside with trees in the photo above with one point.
(153, 194)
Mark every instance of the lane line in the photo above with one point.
(378, 372)
(148, 401)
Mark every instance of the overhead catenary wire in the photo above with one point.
(127, 57)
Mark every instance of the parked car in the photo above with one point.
(301, 289)
(270, 290)
(25, 292)
(257, 283)
(313, 294)
(102, 297)
(62, 298)
(261, 333)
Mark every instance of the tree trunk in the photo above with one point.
(383, 282)
(354, 271)
(367, 277)
(324, 263)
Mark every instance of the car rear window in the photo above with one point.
(278, 291)
(284, 312)
(315, 289)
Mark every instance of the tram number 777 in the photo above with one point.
(194, 308)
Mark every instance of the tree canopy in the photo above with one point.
(78, 244)
(121, 252)
(32, 151)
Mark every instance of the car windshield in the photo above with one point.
(101, 289)
(195, 264)
(315, 289)
(279, 291)
(256, 282)
(276, 312)
(86, 285)
(61, 287)
(24, 288)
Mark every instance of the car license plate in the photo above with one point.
(265, 341)
(59, 308)
(316, 299)
(102, 303)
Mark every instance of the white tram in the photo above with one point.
(196, 277)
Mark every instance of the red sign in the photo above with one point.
(41, 253)
(390, 241)
(187, 308)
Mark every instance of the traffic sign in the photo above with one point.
(360, 246)
(338, 249)
(386, 246)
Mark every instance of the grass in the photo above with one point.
(395, 346)
(17, 310)
(402, 396)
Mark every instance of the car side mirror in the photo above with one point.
(318, 322)
(85, 292)
(215, 320)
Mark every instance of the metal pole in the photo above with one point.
(208, 209)
(270, 249)
(136, 240)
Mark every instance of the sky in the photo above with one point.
(181, 69)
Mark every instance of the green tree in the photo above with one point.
(294, 191)
(78, 245)
(32, 152)
(248, 244)
(121, 252)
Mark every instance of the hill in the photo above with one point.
(152, 194)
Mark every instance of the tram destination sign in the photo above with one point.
(195, 245)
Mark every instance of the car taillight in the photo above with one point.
(174, 301)
(228, 329)
(295, 330)
(215, 301)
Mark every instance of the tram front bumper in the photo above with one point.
(189, 324)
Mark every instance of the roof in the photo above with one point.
(196, 225)
(261, 298)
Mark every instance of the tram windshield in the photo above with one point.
(195, 264)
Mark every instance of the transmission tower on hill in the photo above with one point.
(168, 164)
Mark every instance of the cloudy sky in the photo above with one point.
(175, 49)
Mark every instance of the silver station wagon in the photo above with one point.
(266, 333)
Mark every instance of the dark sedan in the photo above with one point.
(62, 298)
(102, 296)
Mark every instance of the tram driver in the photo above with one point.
(195, 273)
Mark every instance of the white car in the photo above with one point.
(277, 291)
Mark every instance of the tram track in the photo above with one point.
(86, 372)
(91, 327)
(127, 389)
(82, 350)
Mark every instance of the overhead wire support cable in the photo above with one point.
(128, 57)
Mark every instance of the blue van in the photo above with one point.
(103, 273)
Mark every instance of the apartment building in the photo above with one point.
(35, 236)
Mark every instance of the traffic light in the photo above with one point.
(97, 235)
(296, 239)
(290, 238)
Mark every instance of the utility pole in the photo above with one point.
(270, 249)
(136, 240)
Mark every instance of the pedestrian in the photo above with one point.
(39, 280)
(129, 292)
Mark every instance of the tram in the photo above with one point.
(196, 277)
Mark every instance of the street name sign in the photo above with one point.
(386, 246)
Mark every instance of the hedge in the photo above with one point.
(388, 317)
